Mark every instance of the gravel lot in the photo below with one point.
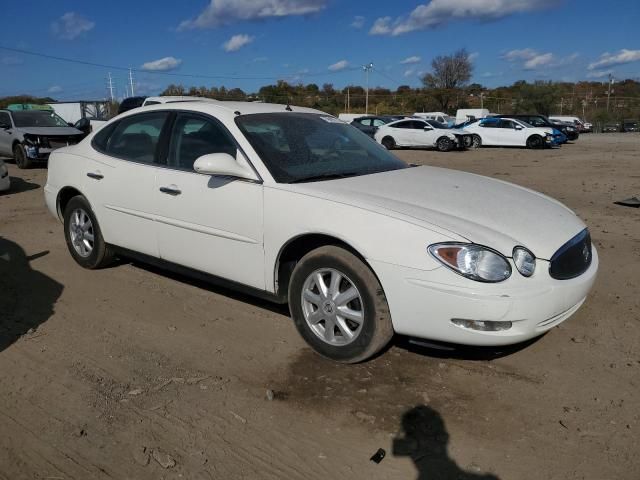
(130, 372)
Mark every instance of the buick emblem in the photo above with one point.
(586, 253)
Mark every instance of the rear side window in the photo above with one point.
(133, 138)
(5, 119)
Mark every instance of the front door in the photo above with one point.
(208, 223)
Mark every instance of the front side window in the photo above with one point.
(506, 124)
(5, 119)
(300, 147)
(194, 136)
(136, 137)
(37, 118)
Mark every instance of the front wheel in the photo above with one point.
(20, 156)
(444, 144)
(338, 305)
(534, 141)
(476, 141)
(83, 235)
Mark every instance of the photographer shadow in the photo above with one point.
(27, 297)
(424, 438)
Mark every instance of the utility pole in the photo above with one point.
(110, 87)
(348, 101)
(131, 82)
(367, 68)
(482, 100)
(609, 90)
(561, 105)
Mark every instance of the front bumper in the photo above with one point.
(38, 153)
(423, 303)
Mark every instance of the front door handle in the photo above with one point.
(170, 191)
(95, 176)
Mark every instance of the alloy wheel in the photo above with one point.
(81, 232)
(332, 307)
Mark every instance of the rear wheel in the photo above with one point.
(338, 305)
(476, 141)
(83, 235)
(20, 156)
(534, 141)
(388, 143)
(444, 144)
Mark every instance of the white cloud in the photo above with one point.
(341, 65)
(260, 59)
(224, 12)
(599, 73)
(524, 54)
(358, 22)
(381, 26)
(473, 55)
(162, 64)
(410, 72)
(236, 42)
(439, 12)
(54, 89)
(410, 60)
(71, 25)
(542, 60)
(610, 59)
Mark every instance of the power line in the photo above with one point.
(175, 74)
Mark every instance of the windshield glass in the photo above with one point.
(37, 118)
(298, 147)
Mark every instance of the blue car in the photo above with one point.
(558, 138)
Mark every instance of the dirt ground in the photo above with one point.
(133, 373)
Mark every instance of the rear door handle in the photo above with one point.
(170, 191)
(95, 176)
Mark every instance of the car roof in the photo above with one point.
(178, 98)
(228, 110)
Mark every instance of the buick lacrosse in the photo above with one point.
(294, 205)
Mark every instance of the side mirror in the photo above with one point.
(84, 125)
(519, 127)
(5, 126)
(223, 164)
(427, 127)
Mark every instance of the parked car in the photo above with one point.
(575, 121)
(417, 133)
(588, 127)
(130, 103)
(370, 124)
(311, 212)
(5, 180)
(508, 132)
(440, 117)
(535, 120)
(31, 135)
(610, 128)
(630, 126)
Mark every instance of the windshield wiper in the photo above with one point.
(325, 176)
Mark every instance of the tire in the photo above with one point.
(312, 312)
(389, 143)
(535, 141)
(444, 144)
(476, 141)
(96, 253)
(20, 156)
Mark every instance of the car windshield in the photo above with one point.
(299, 147)
(37, 118)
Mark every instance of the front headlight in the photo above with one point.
(472, 261)
(524, 260)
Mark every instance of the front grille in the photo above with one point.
(573, 258)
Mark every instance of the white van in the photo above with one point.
(436, 116)
(350, 117)
(464, 114)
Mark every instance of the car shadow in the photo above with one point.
(436, 349)
(423, 438)
(19, 185)
(27, 297)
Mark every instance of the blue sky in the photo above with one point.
(255, 42)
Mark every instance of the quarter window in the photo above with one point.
(194, 136)
(136, 137)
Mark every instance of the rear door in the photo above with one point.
(120, 180)
(208, 223)
(402, 132)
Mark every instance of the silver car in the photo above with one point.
(31, 135)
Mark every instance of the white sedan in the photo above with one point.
(294, 205)
(416, 132)
(5, 180)
(508, 132)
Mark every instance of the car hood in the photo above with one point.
(479, 209)
(51, 131)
